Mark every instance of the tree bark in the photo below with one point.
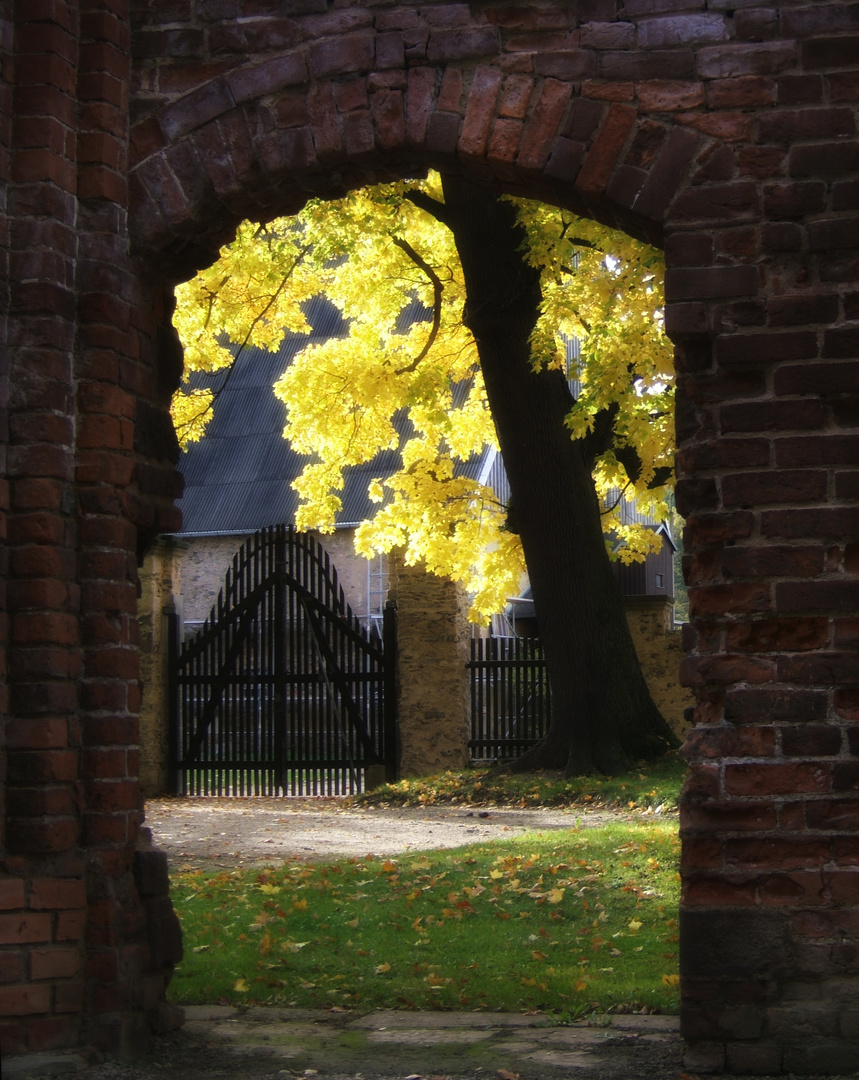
(603, 717)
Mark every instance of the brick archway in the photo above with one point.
(725, 132)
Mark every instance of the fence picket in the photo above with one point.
(510, 702)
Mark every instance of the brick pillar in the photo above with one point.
(42, 885)
(6, 97)
(770, 818)
(124, 446)
(434, 703)
(77, 962)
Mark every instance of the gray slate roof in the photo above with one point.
(238, 477)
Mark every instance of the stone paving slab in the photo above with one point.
(289, 1044)
(390, 1018)
(480, 1041)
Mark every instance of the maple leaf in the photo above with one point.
(382, 968)
(241, 986)
(635, 925)
(539, 955)
(671, 980)
(554, 896)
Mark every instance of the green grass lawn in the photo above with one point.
(566, 922)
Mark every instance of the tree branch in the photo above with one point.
(437, 290)
(422, 201)
(216, 393)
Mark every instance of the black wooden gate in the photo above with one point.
(511, 707)
(283, 691)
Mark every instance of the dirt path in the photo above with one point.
(224, 833)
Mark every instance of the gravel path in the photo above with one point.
(200, 833)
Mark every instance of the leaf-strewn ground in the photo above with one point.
(568, 922)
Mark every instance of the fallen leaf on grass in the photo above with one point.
(241, 986)
(382, 968)
(504, 1074)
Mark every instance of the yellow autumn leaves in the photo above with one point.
(416, 389)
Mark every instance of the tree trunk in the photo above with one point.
(603, 717)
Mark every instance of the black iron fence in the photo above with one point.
(510, 701)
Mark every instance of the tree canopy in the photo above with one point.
(417, 388)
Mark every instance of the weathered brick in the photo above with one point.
(57, 963)
(825, 52)
(766, 705)
(824, 159)
(773, 779)
(833, 814)
(717, 202)
(24, 928)
(710, 282)
(24, 999)
(542, 127)
(817, 450)
(637, 66)
(700, 671)
(479, 112)
(776, 486)
(843, 86)
(728, 741)
(730, 816)
(766, 348)
(516, 96)
(389, 119)
(681, 30)
(11, 893)
(461, 44)
(267, 77)
(821, 668)
(811, 740)
(341, 55)
(778, 635)
(772, 560)
(504, 142)
(736, 60)
(772, 853)
(606, 149)
(829, 595)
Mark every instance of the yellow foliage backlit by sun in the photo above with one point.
(374, 253)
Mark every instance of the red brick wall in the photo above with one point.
(74, 954)
(725, 131)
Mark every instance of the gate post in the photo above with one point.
(390, 691)
(174, 733)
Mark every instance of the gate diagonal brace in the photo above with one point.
(218, 688)
(335, 676)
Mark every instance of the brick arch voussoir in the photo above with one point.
(203, 163)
